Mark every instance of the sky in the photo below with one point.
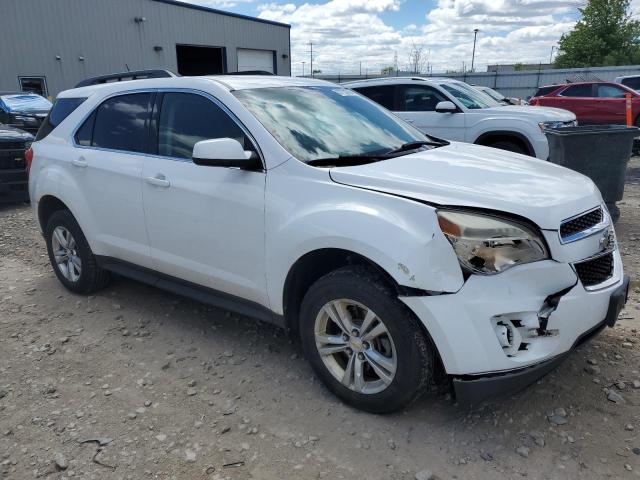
(352, 36)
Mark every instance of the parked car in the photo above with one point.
(391, 254)
(456, 111)
(631, 81)
(13, 167)
(592, 102)
(498, 97)
(23, 110)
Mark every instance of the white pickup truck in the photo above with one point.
(454, 110)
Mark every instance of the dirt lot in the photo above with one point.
(176, 389)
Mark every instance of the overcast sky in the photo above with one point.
(347, 32)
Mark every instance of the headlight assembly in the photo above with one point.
(556, 124)
(488, 245)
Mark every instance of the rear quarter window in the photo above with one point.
(62, 108)
(545, 91)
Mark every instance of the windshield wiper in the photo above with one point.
(347, 159)
(417, 144)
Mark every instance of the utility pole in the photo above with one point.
(553, 47)
(311, 45)
(473, 56)
(360, 68)
(303, 63)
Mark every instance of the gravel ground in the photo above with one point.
(135, 383)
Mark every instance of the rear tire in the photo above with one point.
(71, 257)
(392, 361)
(509, 146)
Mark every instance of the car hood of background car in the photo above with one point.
(539, 114)
(465, 175)
(10, 134)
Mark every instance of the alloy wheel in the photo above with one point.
(65, 252)
(355, 346)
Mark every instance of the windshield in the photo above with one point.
(25, 103)
(326, 122)
(493, 94)
(469, 96)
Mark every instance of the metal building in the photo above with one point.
(50, 45)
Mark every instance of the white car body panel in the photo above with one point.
(469, 125)
(242, 232)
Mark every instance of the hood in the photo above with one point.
(466, 175)
(538, 114)
(10, 134)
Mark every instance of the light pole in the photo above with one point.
(303, 68)
(553, 47)
(473, 56)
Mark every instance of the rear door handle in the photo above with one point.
(80, 162)
(158, 181)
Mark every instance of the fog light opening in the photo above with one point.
(509, 337)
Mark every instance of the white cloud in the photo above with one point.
(347, 32)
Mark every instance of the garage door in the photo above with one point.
(249, 59)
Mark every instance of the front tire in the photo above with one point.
(71, 257)
(363, 343)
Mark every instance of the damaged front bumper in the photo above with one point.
(546, 309)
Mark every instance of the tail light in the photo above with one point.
(28, 157)
(533, 102)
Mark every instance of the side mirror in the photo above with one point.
(446, 107)
(223, 152)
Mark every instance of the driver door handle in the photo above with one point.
(158, 180)
(80, 162)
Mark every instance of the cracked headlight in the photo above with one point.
(488, 245)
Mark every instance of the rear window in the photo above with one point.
(545, 90)
(61, 109)
(633, 82)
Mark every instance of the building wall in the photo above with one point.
(105, 34)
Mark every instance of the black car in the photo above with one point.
(23, 110)
(13, 165)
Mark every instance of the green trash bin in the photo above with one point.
(601, 152)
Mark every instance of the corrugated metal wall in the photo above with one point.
(516, 84)
(104, 33)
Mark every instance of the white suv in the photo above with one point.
(457, 111)
(395, 257)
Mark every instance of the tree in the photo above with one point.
(606, 35)
(518, 67)
(417, 58)
(387, 70)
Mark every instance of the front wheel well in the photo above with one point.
(312, 266)
(491, 138)
(47, 206)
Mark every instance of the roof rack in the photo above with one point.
(124, 76)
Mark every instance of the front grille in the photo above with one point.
(596, 270)
(581, 223)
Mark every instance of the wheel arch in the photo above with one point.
(506, 135)
(47, 206)
(317, 263)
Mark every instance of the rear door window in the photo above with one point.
(584, 90)
(122, 122)
(187, 118)
(381, 94)
(62, 108)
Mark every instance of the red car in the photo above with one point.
(591, 102)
